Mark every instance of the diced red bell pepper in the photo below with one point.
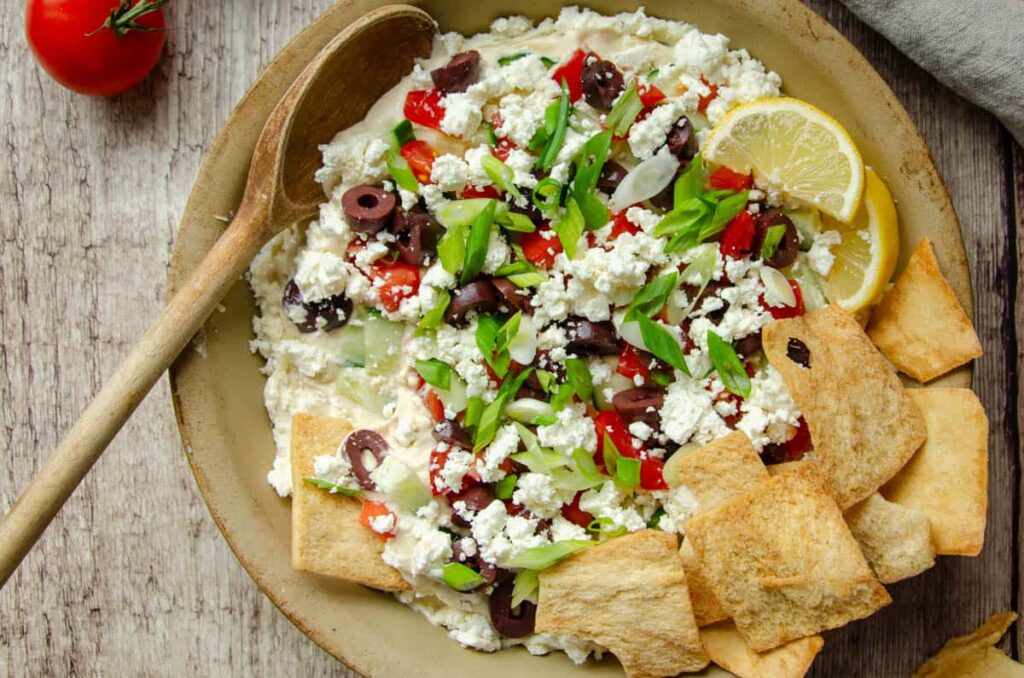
(703, 102)
(622, 225)
(572, 72)
(574, 514)
(652, 474)
(423, 107)
(438, 459)
(420, 156)
(433, 403)
(538, 250)
(795, 447)
(729, 397)
(612, 424)
(783, 311)
(504, 148)
(738, 236)
(724, 178)
(477, 192)
(633, 362)
(649, 94)
(373, 509)
(399, 281)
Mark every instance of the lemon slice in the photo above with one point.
(866, 256)
(795, 149)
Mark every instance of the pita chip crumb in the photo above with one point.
(975, 655)
(920, 325)
(726, 648)
(863, 425)
(948, 477)
(895, 539)
(717, 471)
(782, 562)
(326, 535)
(629, 595)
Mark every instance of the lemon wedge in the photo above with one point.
(866, 256)
(794, 148)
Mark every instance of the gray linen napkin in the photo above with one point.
(975, 47)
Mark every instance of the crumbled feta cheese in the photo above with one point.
(449, 172)
(606, 502)
(335, 469)
(506, 442)
(651, 133)
(501, 537)
(536, 491)
(456, 467)
(688, 413)
(571, 431)
(820, 257)
(769, 410)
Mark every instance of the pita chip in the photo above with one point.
(706, 608)
(920, 325)
(975, 655)
(717, 471)
(726, 648)
(863, 425)
(896, 540)
(629, 595)
(326, 535)
(948, 477)
(782, 562)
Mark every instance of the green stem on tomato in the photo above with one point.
(123, 18)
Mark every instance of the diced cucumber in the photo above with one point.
(808, 222)
(352, 345)
(528, 410)
(455, 397)
(355, 385)
(401, 484)
(383, 343)
(670, 471)
(811, 287)
(401, 134)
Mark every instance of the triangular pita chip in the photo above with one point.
(706, 608)
(726, 647)
(974, 655)
(920, 325)
(717, 471)
(782, 561)
(863, 426)
(326, 535)
(948, 477)
(896, 540)
(629, 595)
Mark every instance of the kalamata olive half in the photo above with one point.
(511, 623)
(416, 234)
(640, 404)
(509, 291)
(358, 446)
(451, 432)
(602, 83)
(323, 314)
(785, 254)
(478, 295)
(368, 209)
(592, 338)
(682, 142)
(798, 352)
(611, 176)
(476, 498)
(462, 71)
(749, 345)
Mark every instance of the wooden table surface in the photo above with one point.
(133, 578)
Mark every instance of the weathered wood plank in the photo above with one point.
(1015, 223)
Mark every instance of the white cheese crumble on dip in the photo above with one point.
(525, 280)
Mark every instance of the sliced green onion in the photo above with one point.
(491, 415)
(662, 343)
(548, 61)
(514, 221)
(725, 211)
(505, 488)
(690, 183)
(527, 410)
(434, 318)
(570, 227)
(463, 212)
(331, 487)
(476, 243)
(772, 240)
(589, 164)
(543, 557)
(509, 58)
(401, 134)
(655, 519)
(502, 175)
(557, 136)
(610, 455)
(577, 375)
(492, 138)
(624, 112)
(547, 195)
(461, 577)
(627, 472)
(451, 249)
(474, 408)
(526, 583)
(401, 172)
(527, 279)
(487, 340)
(661, 378)
(435, 372)
(605, 526)
(653, 73)
(512, 268)
(728, 365)
(652, 297)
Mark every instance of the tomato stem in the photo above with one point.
(124, 17)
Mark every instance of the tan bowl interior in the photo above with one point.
(217, 386)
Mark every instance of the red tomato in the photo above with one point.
(738, 236)
(780, 312)
(433, 403)
(485, 192)
(572, 72)
(730, 397)
(649, 95)
(623, 225)
(423, 107)
(399, 281)
(372, 509)
(652, 474)
(633, 361)
(539, 250)
(574, 514)
(96, 47)
(725, 178)
(420, 156)
(614, 425)
(437, 461)
(504, 148)
(703, 102)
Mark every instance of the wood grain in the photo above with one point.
(133, 577)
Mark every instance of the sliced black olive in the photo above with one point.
(592, 338)
(531, 212)
(323, 314)
(357, 445)
(682, 142)
(749, 345)
(462, 71)
(602, 83)
(416, 233)
(451, 432)
(798, 352)
(640, 404)
(509, 291)
(368, 209)
(788, 247)
(511, 623)
(611, 176)
(478, 295)
(476, 498)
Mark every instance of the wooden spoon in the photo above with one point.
(334, 91)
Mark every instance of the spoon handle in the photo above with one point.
(58, 477)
